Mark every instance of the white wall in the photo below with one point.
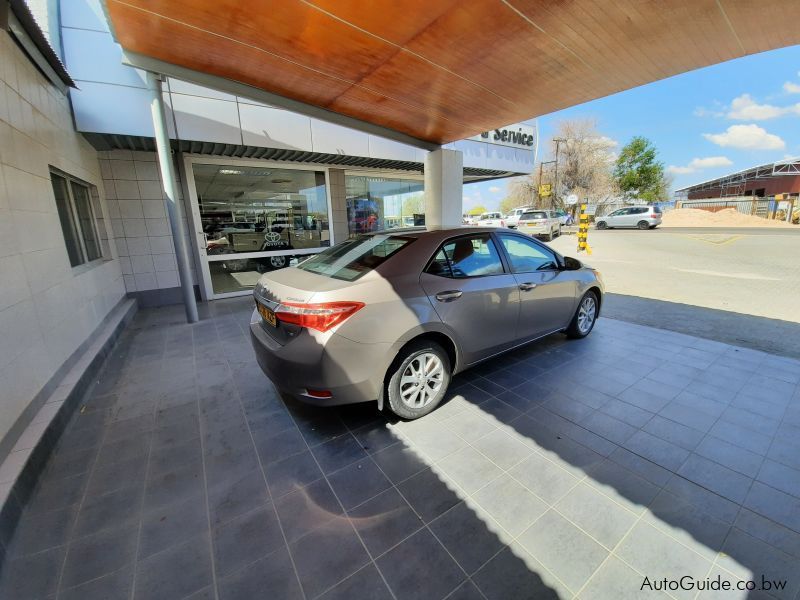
(113, 99)
(47, 308)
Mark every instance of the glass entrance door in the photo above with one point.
(253, 219)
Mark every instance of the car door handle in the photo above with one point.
(527, 286)
(449, 296)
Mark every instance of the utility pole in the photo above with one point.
(555, 184)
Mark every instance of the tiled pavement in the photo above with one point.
(568, 468)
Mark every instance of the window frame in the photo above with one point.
(557, 258)
(500, 254)
(75, 219)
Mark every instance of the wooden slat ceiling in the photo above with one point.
(444, 70)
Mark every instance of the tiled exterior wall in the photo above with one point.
(47, 308)
(142, 236)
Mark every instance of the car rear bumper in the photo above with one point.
(535, 229)
(350, 371)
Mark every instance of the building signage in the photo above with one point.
(515, 136)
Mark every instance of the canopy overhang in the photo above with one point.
(434, 71)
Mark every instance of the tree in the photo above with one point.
(477, 210)
(585, 159)
(638, 172)
(413, 205)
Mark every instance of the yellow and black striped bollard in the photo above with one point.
(583, 231)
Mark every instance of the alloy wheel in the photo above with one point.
(421, 380)
(586, 314)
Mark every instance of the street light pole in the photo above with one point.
(555, 184)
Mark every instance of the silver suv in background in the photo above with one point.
(541, 223)
(641, 217)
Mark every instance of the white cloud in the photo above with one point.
(495, 189)
(791, 88)
(744, 108)
(748, 137)
(698, 164)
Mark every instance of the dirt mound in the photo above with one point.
(728, 217)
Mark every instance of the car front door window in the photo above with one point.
(527, 256)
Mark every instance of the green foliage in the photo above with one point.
(414, 205)
(638, 172)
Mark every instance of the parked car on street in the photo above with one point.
(641, 217)
(512, 218)
(491, 219)
(392, 316)
(542, 223)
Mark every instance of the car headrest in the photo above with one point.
(462, 250)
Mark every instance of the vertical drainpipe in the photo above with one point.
(172, 201)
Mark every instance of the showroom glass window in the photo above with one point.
(377, 203)
(77, 218)
(261, 209)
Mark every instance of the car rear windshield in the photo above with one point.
(529, 216)
(354, 258)
(657, 209)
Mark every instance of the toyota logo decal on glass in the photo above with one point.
(272, 236)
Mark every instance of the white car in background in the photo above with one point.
(540, 223)
(512, 218)
(491, 219)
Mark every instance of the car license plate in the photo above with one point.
(267, 314)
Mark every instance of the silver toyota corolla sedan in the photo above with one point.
(391, 316)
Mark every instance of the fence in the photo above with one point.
(766, 208)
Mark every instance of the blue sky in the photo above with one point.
(705, 123)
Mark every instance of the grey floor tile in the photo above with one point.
(781, 477)
(399, 462)
(723, 509)
(326, 556)
(338, 453)
(713, 476)
(245, 539)
(307, 509)
(428, 494)
(673, 432)
(503, 448)
(274, 573)
(171, 525)
(384, 521)
(358, 482)
(688, 416)
(543, 477)
(731, 456)
(470, 424)
(737, 435)
(469, 469)
(608, 427)
(502, 411)
(508, 576)
(114, 586)
(366, 584)
(749, 557)
(769, 531)
(229, 499)
(467, 537)
(466, 591)
(32, 576)
(596, 514)
(657, 555)
(176, 572)
(510, 503)
(561, 547)
(97, 555)
(648, 470)
(656, 450)
(173, 487)
(689, 523)
(280, 446)
(43, 530)
(421, 568)
(750, 420)
(375, 437)
(615, 580)
(291, 473)
(774, 504)
(628, 413)
(622, 485)
(112, 510)
(644, 400)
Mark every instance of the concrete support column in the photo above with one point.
(444, 176)
(172, 202)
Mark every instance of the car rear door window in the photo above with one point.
(468, 256)
(527, 256)
(355, 257)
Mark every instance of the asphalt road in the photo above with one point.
(740, 286)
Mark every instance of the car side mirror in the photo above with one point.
(572, 264)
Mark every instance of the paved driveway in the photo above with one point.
(569, 468)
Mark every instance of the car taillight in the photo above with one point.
(320, 316)
(502, 223)
(654, 216)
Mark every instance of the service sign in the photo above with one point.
(515, 136)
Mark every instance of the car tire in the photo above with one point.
(588, 308)
(643, 225)
(601, 225)
(548, 237)
(402, 396)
